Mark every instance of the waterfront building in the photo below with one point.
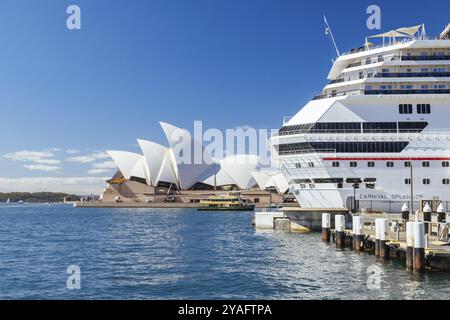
(160, 173)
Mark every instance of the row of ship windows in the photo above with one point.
(371, 164)
(427, 181)
(422, 108)
(409, 70)
(386, 73)
(405, 86)
(356, 127)
(389, 164)
(342, 147)
(370, 182)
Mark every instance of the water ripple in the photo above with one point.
(184, 254)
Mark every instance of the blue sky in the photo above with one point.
(76, 93)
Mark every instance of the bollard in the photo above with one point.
(377, 237)
(383, 234)
(405, 212)
(409, 245)
(326, 226)
(358, 234)
(419, 247)
(427, 217)
(441, 213)
(339, 226)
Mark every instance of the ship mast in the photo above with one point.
(329, 32)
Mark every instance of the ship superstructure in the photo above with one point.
(386, 110)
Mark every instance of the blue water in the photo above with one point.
(184, 254)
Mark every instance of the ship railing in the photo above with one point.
(380, 92)
(406, 91)
(338, 94)
(389, 43)
(305, 151)
(410, 74)
(377, 46)
(365, 131)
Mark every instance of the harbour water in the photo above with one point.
(186, 254)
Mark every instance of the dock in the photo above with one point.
(156, 205)
(436, 253)
(422, 242)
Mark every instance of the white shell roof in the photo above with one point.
(129, 163)
(190, 166)
(158, 162)
(162, 164)
(271, 178)
(239, 168)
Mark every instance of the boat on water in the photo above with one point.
(8, 200)
(231, 201)
(378, 133)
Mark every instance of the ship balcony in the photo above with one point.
(406, 91)
(411, 75)
(381, 75)
(338, 94)
(390, 59)
(380, 92)
(425, 58)
(389, 44)
(366, 134)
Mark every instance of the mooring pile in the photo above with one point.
(415, 251)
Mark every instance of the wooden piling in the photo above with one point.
(383, 236)
(377, 237)
(409, 245)
(358, 234)
(419, 247)
(339, 226)
(326, 226)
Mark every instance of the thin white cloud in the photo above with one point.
(105, 165)
(98, 171)
(88, 158)
(77, 185)
(72, 151)
(41, 157)
(42, 167)
(102, 167)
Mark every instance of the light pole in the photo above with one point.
(411, 187)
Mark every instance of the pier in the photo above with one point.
(384, 239)
(421, 242)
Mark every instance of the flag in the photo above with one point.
(327, 28)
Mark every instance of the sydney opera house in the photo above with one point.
(163, 174)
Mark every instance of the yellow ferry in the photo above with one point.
(228, 202)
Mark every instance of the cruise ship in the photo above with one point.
(382, 123)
